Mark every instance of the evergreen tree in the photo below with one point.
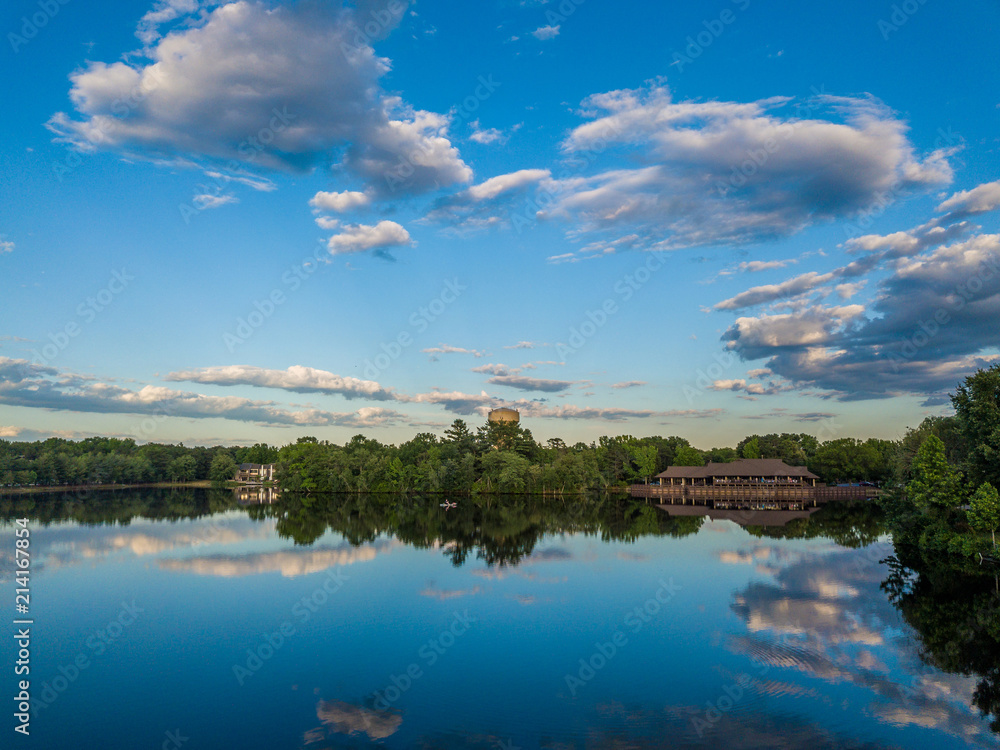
(935, 483)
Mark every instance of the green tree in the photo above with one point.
(688, 456)
(985, 513)
(977, 407)
(182, 469)
(751, 449)
(935, 483)
(223, 468)
(460, 436)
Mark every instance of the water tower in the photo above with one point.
(504, 414)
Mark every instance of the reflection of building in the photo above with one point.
(748, 516)
(504, 414)
(256, 494)
(747, 472)
(255, 473)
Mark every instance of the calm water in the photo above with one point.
(318, 624)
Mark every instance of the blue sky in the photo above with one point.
(253, 221)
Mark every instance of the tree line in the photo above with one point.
(108, 460)
(505, 457)
(945, 499)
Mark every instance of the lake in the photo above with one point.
(184, 619)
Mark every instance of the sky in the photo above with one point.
(253, 221)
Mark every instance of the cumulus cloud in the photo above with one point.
(932, 322)
(23, 383)
(524, 383)
(356, 238)
(340, 202)
(484, 204)
(296, 378)
(486, 136)
(495, 369)
(544, 33)
(6, 246)
(253, 86)
(831, 158)
(629, 384)
(979, 200)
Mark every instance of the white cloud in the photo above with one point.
(208, 200)
(356, 238)
(256, 86)
(448, 349)
(503, 183)
(296, 378)
(524, 383)
(691, 184)
(23, 383)
(629, 384)
(6, 246)
(544, 33)
(979, 200)
(340, 202)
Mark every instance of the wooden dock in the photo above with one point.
(770, 496)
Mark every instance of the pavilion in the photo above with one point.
(746, 472)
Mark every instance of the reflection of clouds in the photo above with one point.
(67, 544)
(633, 556)
(346, 718)
(743, 728)
(290, 563)
(552, 554)
(445, 594)
(826, 616)
(766, 608)
(141, 544)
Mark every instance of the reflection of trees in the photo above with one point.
(849, 524)
(499, 530)
(99, 507)
(955, 609)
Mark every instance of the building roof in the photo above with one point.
(247, 467)
(744, 467)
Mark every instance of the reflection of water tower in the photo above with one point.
(503, 414)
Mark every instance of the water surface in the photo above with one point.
(503, 623)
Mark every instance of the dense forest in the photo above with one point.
(944, 499)
(497, 457)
